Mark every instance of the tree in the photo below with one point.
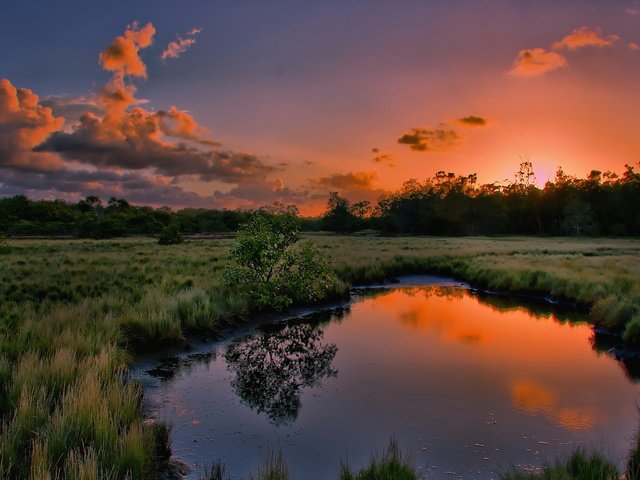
(525, 176)
(170, 235)
(339, 216)
(272, 266)
(579, 218)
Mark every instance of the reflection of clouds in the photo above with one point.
(180, 408)
(536, 399)
(532, 397)
(574, 419)
(415, 314)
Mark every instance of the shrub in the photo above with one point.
(272, 266)
(632, 330)
(612, 313)
(4, 245)
(170, 235)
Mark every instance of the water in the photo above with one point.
(468, 385)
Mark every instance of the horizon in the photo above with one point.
(241, 105)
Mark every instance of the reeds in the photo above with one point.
(579, 466)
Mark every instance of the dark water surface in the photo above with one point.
(468, 385)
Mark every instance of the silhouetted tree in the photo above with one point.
(339, 216)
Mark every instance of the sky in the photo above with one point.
(239, 104)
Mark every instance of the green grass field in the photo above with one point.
(73, 313)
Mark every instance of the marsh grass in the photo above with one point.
(74, 312)
(579, 466)
(217, 471)
(390, 465)
(273, 468)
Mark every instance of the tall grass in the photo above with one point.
(579, 466)
(391, 465)
(273, 468)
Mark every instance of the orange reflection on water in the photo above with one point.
(506, 345)
(434, 317)
(534, 398)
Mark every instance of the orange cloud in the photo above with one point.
(536, 61)
(634, 46)
(355, 186)
(584, 37)
(177, 47)
(129, 136)
(24, 123)
(430, 139)
(122, 55)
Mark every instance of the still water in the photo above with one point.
(467, 384)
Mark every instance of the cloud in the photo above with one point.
(74, 185)
(180, 45)
(24, 123)
(584, 37)
(634, 46)
(122, 56)
(536, 61)
(169, 142)
(632, 11)
(71, 108)
(354, 186)
(383, 158)
(347, 181)
(142, 147)
(473, 121)
(255, 194)
(113, 145)
(437, 139)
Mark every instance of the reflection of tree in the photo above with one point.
(272, 367)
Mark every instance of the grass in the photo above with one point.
(579, 466)
(73, 314)
(391, 465)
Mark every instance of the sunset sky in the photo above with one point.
(242, 103)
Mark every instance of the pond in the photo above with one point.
(467, 384)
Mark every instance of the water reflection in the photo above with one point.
(271, 368)
(467, 382)
(534, 399)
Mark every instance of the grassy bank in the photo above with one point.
(73, 313)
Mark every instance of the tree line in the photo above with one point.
(450, 204)
(92, 218)
(603, 203)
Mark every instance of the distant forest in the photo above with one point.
(447, 204)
